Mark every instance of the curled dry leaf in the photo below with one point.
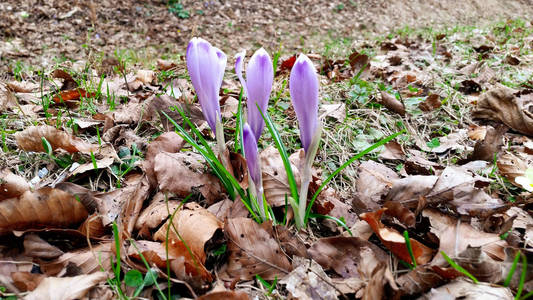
(196, 226)
(397, 210)
(36, 247)
(12, 185)
(84, 261)
(432, 102)
(184, 266)
(275, 182)
(65, 288)
(145, 76)
(343, 254)
(511, 166)
(491, 143)
(308, 281)
(392, 103)
(395, 241)
(462, 289)
(26, 281)
(512, 109)
(93, 226)
(153, 215)
(30, 140)
(392, 151)
(477, 133)
(224, 295)
(44, 208)
(374, 180)
(71, 95)
(419, 280)
(186, 175)
(169, 142)
(455, 237)
(254, 251)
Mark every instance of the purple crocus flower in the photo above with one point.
(258, 85)
(303, 84)
(251, 154)
(206, 65)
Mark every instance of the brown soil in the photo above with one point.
(36, 33)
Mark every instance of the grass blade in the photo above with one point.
(512, 270)
(458, 267)
(409, 248)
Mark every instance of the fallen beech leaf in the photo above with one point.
(70, 95)
(184, 266)
(511, 166)
(196, 226)
(12, 185)
(492, 142)
(408, 190)
(456, 236)
(480, 265)
(392, 103)
(462, 289)
(477, 133)
(419, 280)
(85, 261)
(373, 181)
(26, 281)
(66, 288)
(165, 65)
(44, 208)
(169, 142)
(30, 140)
(392, 151)
(286, 65)
(93, 227)
(22, 87)
(186, 175)
(336, 111)
(253, 251)
(36, 247)
(275, 182)
(343, 254)
(432, 102)
(224, 295)
(395, 241)
(145, 76)
(153, 215)
(308, 281)
(512, 109)
(397, 210)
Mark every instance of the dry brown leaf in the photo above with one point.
(275, 182)
(397, 210)
(30, 140)
(419, 280)
(196, 226)
(169, 142)
(22, 86)
(44, 208)
(462, 289)
(146, 76)
(477, 133)
(184, 266)
(308, 281)
(343, 254)
(84, 261)
(336, 111)
(36, 247)
(153, 215)
(392, 151)
(432, 102)
(93, 227)
(66, 288)
(254, 251)
(392, 103)
(374, 181)
(186, 175)
(456, 236)
(224, 295)
(26, 281)
(513, 109)
(12, 185)
(395, 242)
(490, 144)
(511, 166)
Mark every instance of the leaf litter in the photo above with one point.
(450, 183)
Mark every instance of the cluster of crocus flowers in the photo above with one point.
(206, 65)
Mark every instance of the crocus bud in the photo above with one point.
(206, 65)
(303, 84)
(258, 85)
(251, 154)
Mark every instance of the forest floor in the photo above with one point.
(99, 198)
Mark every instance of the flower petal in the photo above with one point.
(206, 65)
(239, 62)
(303, 84)
(251, 154)
(259, 78)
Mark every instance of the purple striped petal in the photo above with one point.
(206, 65)
(259, 78)
(251, 154)
(303, 84)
